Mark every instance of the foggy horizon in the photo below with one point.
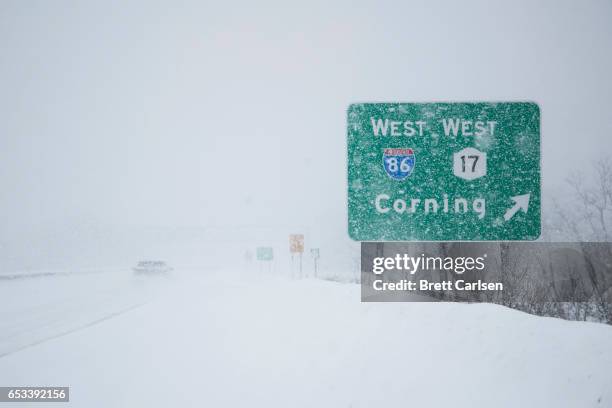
(215, 115)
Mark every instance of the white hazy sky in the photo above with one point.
(233, 113)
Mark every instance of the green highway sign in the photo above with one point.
(265, 253)
(444, 171)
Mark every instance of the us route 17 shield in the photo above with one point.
(444, 171)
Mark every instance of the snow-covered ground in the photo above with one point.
(223, 339)
(40, 305)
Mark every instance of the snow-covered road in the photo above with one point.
(230, 339)
(36, 308)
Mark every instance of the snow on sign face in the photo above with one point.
(444, 171)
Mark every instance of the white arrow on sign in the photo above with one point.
(521, 202)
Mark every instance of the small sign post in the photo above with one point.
(314, 252)
(296, 246)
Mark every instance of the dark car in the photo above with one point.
(151, 268)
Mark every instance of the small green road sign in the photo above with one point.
(265, 253)
(444, 171)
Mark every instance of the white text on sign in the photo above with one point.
(452, 127)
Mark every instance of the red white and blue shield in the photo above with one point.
(398, 163)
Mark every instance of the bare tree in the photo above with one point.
(587, 215)
(590, 213)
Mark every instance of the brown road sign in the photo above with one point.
(296, 243)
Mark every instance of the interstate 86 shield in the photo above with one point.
(398, 163)
(444, 171)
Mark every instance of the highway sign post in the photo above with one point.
(296, 246)
(444, 171)
(315, 253)
(265, 255)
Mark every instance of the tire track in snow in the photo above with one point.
(73, 330)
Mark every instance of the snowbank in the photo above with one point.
(219, 340)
